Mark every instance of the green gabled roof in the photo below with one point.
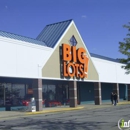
(52, 32)
(104, 57)
(21, 38)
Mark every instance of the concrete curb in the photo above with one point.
(54, 110)
(124, 103)
(71, 109)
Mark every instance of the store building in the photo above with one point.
(57, 69)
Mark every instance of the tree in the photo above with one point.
(124, 48)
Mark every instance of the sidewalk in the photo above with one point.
(4, 115)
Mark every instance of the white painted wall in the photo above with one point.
(22, 59)
(110, 71)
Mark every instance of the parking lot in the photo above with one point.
(84, 119)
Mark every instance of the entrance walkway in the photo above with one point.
(7, 115)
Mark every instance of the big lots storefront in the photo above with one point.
(56, 69)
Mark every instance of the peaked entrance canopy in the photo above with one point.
(52, 32)
(66, 33)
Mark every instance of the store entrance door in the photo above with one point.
(62, 94)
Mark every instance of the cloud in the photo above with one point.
(83, 16)
(6, 7)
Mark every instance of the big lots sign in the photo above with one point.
(77, 60)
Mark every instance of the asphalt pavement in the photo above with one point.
(103, 117)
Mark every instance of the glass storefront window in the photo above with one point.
(19, 90)
(20, 94)
(55, 94)
(51, 92)
(12, 94)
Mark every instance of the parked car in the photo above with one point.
(26, 102)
